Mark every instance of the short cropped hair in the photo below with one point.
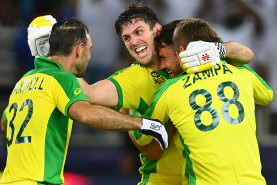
(141, 12)
(193, 29)
(66, 35)
(165, 38)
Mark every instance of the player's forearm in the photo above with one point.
(238, 54)
(151, 151)
(102, 93)
(3, 125)
(103, 118)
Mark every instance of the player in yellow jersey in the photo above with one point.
(134, 86)
(131, 88)
(214, 113)
(46, 100)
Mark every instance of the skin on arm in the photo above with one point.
(102, 118)
(147, 150)
(238, 54)
(101, 93)
(3, 124)
(153, 150)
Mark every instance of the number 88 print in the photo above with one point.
(225, 108)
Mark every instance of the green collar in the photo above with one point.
(42, 62)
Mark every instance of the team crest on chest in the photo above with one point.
(158, 79)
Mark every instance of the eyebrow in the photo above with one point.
(133, 31)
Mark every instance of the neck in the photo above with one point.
(64, 61)
(155, 64)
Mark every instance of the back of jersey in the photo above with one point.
(214, 112)
(31, 108)
(39, 128)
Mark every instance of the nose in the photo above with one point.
(134, 40)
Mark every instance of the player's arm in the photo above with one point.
(193, 60)
(3, 124)
(238, 54)
(107, 119)
(102, 93)
(153, 150)
(262, 92)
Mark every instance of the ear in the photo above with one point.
(182, 48)
(79, 49)
(182, 65)
(157, 29)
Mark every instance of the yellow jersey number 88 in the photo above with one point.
(213, 111)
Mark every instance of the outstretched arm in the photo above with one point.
(238, 54)
(102, 118)
(101, 93)
(107, 119)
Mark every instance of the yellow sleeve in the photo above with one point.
(262, 92)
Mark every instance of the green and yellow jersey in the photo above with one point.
(136, 86)
(214, 113)
(38, 126)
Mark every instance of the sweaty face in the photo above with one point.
(86, 56)
(169, 61)
(139, 40)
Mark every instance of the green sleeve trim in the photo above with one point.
(119, 92)
(253, 72)
(71, 102)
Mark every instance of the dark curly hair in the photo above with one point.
(141, 12)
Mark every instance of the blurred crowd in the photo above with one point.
(249, 22)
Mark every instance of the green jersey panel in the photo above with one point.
(39, 128)
(213, 112)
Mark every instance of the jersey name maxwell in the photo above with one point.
(34, 83)
(220, 68)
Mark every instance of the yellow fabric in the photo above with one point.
(38, 126)
(162, 179)
(43, 90)
(214, 113)
(23, 182)
(138, 83)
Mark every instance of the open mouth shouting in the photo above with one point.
(141, 51)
